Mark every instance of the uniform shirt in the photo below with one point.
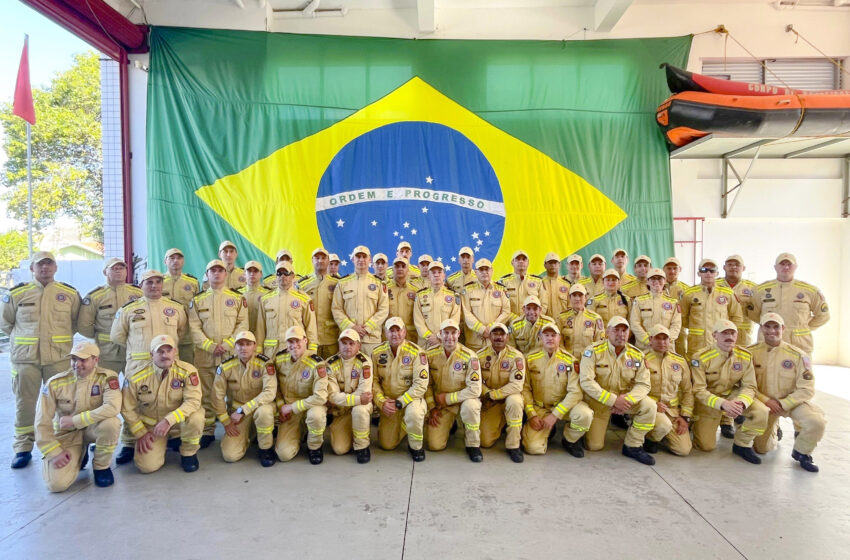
(235, 279)
(518, 289)
(651, 309)
(138, 322)
(593, 287)
(321, 291)
(670, 380)
(716, 374)
(604, 375)
(401, 301)
(180, 288)
(414, 277)
(432, 308)
(361, 299)
(524, 333)
(625, 277)
(301, 383)
(481, 308)
(403, 376)
(502, 373)
(801, 306)
(458, 375)
(676, 290)
(152, 394)
(580, 329)
(348, 379)
(744, 291)
(88, 400)
(40, 320)
(607, 306)
(552, 383)
(252, 297)
(570, 280)
(97, 313)
(702, 308)
(783, 373)
(249, 386)
(554, 295)
(280, 310)
(635, 288)
(215, 316)
(458, 280)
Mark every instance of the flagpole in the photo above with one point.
(29, 189)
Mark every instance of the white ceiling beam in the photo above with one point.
(606, 13)
(427, 15)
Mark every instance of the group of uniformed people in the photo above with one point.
(287, 356)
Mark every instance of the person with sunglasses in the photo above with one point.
(285, 307)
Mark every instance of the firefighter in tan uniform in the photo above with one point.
(249, 383)
(98, 311)
(434, 305)
(77, 407)
(502, 378)
(302, 394)
(350, 397)
(675, 288)
(594, 284)
(458, 280)
(519, 284)
(654, 308)
(612, 302)
(401, 297)
(421, 281)
(575, 264)
(401, 379)
(525, 330)
(724, 383)
(744, 291)
(640, 284)
(620, 262)
(454, 389)
(705, 304)
(320, 286)
(670, 379)
(484, 304)
(180, 287)
(40, 318)
(282, 308)
(253, 291)
(414, 273)
(615, 380)
(360, 302)
(162, 402)
(554, 290)
(579, 326)
(551, 392)
(333, 264)
(786, 385)
(215, 316)
(270, 281)
(379, 264)
(801, 305)
(227, 253)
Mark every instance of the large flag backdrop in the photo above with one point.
(298, 141)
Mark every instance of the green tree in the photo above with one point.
(13, 249)
(67, 162)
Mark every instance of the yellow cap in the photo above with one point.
(173, 251)
(216, 262)
(253, 264)
(781, 257)
(225, 244)
(294, 332)
(84, 350)
(725, 325)
(617, 320)
(436, 264)
(466, 251)
(319, 251)
(481, 263)
(43, 256)
(401, 260)
(152, 273)
(394, 322)
(551, 257)
(333, 257)
(548, 326)
(597, 256)
(112, 262)
(361, 249)
(578, 289)
(616, 251)
(775, 317)
(162, 340)
(501, 326)
(738, 258)
(611, 272)
(380, 257)
(643, 258)
(448, 324)
(575, 257)
(285, 266)
(657, 329)
(350, 334)
(283, 253)
(673, 260)
(245, 335)
(704, 262)
(425, 258)
(531, 300)
(656, 272)
(519, 252)
(403, 245)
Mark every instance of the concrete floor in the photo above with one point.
(709, 505)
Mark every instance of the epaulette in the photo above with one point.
(600, 346)
(793, 350)
(422, 290)
(270, 294)
(642, 296)
(463, 353)
(228, 363)
(281, 353)
(96, 291)
(708, 355)
(20, 285)
(129, 303)
(513, 352)
(67, 287)
(486, 351)
(455, 275)
(202, 295)
(725, 290)
(433, 351)
(263, 357)
(61, 380)
(376, 277)
(538, 276)
(768, 284)
(499, 283)
(189, 275)
(634, 352)
(697, 288)
(470, 283)
(677, 357)
(518, 324)
(337, 276)
(137, 288)
(385, 346)
(346, 277)
(228, 360)
(232, 292)
(362, 356)
(409, 346)
(742, 353)
(804, 286)
(585, 280)
(508, 275)
(143, 374)
(534, 356)
(300, 295)
(333, 359)
(629, 284)
(757, 346)
(592, 314)
(672, 299)
(565, 355)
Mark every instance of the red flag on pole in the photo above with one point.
(23, 106)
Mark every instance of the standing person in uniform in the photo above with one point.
(705, 304)
(554, 290)
(180, 287)
(77, 407)
(620, 262)
(455, 386)
(421, 281)
(227, 253)
(215, 316)
(594, 284)
(725, 385)
(320, 286)
(457, 281)
(654, 308)
(801, 305)
(612, 302)
(401, 379)
(161, 402)
(40, 318)
(282, 308)
(414, 273)
(786, 386)
(615, 380)
(434, 305)
(640, 284)
(249, 382)
(253, 291)
(574, 269)
(675, 288)
(519, 284)
(401, 297)
(98, 310)
(350, 397)
(360, 302)
(379, 263)
(580, 327)
(333, 264)
(524, 330)
(670, 379)
(744, 291)
(302, 381)
(502, 377)
(483, 305)
(551, 392)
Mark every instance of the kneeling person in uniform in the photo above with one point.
(249, 382)
(350, 397)
(76, 407)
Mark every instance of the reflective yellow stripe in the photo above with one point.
(49, 447)
(562, 409)
(140, 355)
(515, 423)
(674, 402)
(25, 341)
(268, 430)
(406, 399)
(712, 401)
(317, 432)
(642, 427)
(104, 448)
(472, 427)
(746, 398)
(696, 331)
(745, 428)
(270, 342)
(191, 441)
(358, 434)
(209, 421)
(801, 332)
(631, 399)
(452, 398)
(223, 418)
(61, 338)
(178, 415)
(103, 337)
(137, 427)
(19, 430)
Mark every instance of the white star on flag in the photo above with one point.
(401, 237)
(406, 225)
(429, 179)
(440, 259)
(424, 209)
(344, 263)
(374, 223)
(340, 222)
(476, 249)
(474, 235)
(479, 243)
(395, 234)
(454, 259)
(413, 231)
(486, 234)
(448, 268)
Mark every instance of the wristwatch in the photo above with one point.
(398, 404)
(239, 410)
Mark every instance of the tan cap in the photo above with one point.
(333, 257)
(617, 320)
(725, 325)
(401, 260)
(394, 322)
(225, 244)
(673, 260)
(657, 329)
(519, 252)
(656, 272)
(286, 266)
(403, 245)
(350, 334)
(253, 264)
(501, 326)
(704, 262)
(738, 258)
(41, 256)
(162, 340)
(531, 299)
(550, 327)
(245, 335)
(481, 263)
(578, 288)
(436, 264)
(174, 251)
(380, 257)
(319, 251)
(781, 257)
(551, 257)
(361, 249)
(466, 251)
(595, 256)
(448, 324)
(283, 253)
(295, 331)
(575, 257)
(425, 258)
(152, 273)
(611, 272)
(620, 251)
(84, 350)
(643, 258)
(112, 262)
(775, 317)
(216, 262)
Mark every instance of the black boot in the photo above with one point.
(103, 477)
(747, 454)
(574, 448)
(173, 444)
(638, 454)
(474, 454)
(21, 460)
(206, 441)
(516, 455)
(190, 463)
(363, 455)
(418, 455)
(727, 431)
(650, 446)
(316, 456)
(619, 421)
(125, 456)
(805, 461)
(267, 457)
(85, 459)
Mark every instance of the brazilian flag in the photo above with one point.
(298, 141)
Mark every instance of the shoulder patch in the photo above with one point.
(587, 353)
